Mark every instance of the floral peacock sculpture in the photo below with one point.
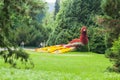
(83, 40)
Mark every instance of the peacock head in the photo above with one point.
(84, 30)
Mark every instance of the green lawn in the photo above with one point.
(72, 66)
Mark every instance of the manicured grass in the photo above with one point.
(70, 66)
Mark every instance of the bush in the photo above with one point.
(114, 54)
(97, 39)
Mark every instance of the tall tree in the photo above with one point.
(57, 7)
(30, 24)
(111, 18)
(111, 9)
(12, 14)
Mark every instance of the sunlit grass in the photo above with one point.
(70, 66)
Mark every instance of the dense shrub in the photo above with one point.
(114, 54)
(97, 39)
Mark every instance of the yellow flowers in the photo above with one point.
(65, 50)
(54, 49)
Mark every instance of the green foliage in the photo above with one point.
(57, 7)
(98, 39)
(110, 20)
(114, 54)
(13, 56)
(17, 15)
(32, 35)
(111, 8)
(30, 30)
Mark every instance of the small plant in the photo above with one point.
(114, 54)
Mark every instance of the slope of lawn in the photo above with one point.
(70, 66)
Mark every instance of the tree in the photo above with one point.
(32, 23)
(113, 19)
(57, 7)
(12, 14)
(111, 9)
(110, 19)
